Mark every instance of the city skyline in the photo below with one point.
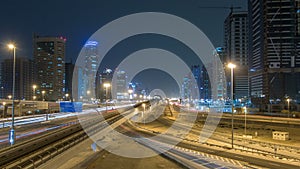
(150, 84)
(78, 29)
(235, 51)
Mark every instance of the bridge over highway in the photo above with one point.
(23, 107)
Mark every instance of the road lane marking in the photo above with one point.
(239, 157)
(274, 164)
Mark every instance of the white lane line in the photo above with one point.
(240, 164)
(233, 162)
(221, 167)
(211, 151)
(274, 164)
(239, 157)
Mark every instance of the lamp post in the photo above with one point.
(67, 95)
(288, 101)
(12, 130)
(106, 86)
(188, 105)
(2, 92)
(231, 66)
(43, 94)
(4, 103)
(88, 92)
(245, 110)
(135, 96)
(34, 87)
(130, 91)
(144, 105)
(141, 98)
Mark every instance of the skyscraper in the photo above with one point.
(274, 49)
(1, 82)
(49, 60)
(236, 51)
(196, 84)
(104, 77)
(196, 70)
(68, 79)
(24, 78)
(203, 83)
(186, 88)
(87, 72)
(218, 81)
(121, 85)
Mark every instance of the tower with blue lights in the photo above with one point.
(86, 82)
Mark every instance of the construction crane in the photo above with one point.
(220, 7)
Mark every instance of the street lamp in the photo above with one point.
(288, 101)
(188, 105)
(12, 130)
(67, 95)
(231, 66)
(245, 110)
(9, 97)
(4, 103)
(34, 87)
(106, 86)
(144, 105)
(88, 92)
(130, 91)
(43, 93)
(2, 92)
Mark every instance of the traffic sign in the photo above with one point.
(70, 106)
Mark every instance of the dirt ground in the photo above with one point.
(107, 160)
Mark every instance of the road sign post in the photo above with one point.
(12, 136)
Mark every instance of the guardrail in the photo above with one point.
(237, 146)
(48, 153)
(47, 146)
(12, 153)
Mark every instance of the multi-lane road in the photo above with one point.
(189, 153)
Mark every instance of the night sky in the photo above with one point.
(77, 20)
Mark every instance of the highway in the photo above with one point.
(48, 145)
(187, 159)
(105, 158)
(253, 159)
(29, 126)
(222, 136)
(247, 160)
(142, 127)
